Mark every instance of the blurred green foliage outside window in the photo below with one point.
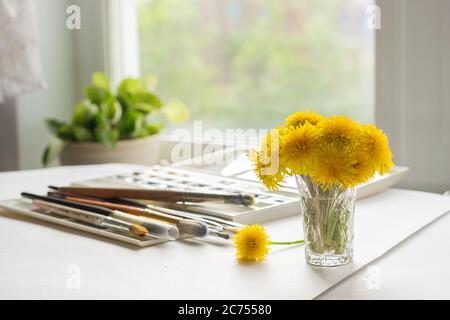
(249, 63)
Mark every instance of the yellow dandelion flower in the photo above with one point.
(270, 173)
(374, 148)
(251, 243)
(364, 171)
(334, 167)
(333, 152)
(300, 118)
(298, 147)
(340, 131)
(270, 144)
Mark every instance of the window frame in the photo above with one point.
(120, 39)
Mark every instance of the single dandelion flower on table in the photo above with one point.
(251, 243)
(300, 118)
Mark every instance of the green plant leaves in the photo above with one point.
(107, 136)
(85, 114)
(112, 110)
(153, 129)
(149, 99)
(131, 124)
(106, 118)
(65, 132)
(82, 133)
(51, 152)
(97, 94)
(53, 125)
(101, 80)
(130, 87)
(134, 94)
(99, 91)
(105, 132)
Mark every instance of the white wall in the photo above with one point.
(413, 88)
(58, 55)
(69, 57)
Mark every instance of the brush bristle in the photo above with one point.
(138, 230)
(193, 228)
(246, 200)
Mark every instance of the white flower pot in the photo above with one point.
(138, 151)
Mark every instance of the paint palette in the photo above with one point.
(266, 207)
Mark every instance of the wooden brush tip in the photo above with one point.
(138, 230)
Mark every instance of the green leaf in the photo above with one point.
(176, 111)
(107, 136)
(96, 94)
(99, 79)
(53, 125)
(130, 87)
(123, 103)
(113, 136)
(154, 128)
(144, 107)
(131, 124)
(85, 114)
(82, 134)
(51, 152)
(149, 129)
(112, 110)
(149, 98)
(65, 132)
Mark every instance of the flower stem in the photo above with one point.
(288, 242)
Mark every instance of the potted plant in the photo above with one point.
(113, 127)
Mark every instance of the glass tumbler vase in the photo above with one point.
(327, 223)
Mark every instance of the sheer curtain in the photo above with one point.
(20, 65)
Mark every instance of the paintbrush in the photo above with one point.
(187, 221)
(159, 195)
(187, 227)
(222, 227)
(211, 221)
(92, 218)
(229, 226)
(155, 228)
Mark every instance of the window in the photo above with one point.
(249, 63)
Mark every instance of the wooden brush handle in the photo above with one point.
(231, 229)
(158, 195)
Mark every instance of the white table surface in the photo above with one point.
(40, 260)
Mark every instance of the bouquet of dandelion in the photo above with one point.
(329, 157)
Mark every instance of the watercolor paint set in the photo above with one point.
(266, 205)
